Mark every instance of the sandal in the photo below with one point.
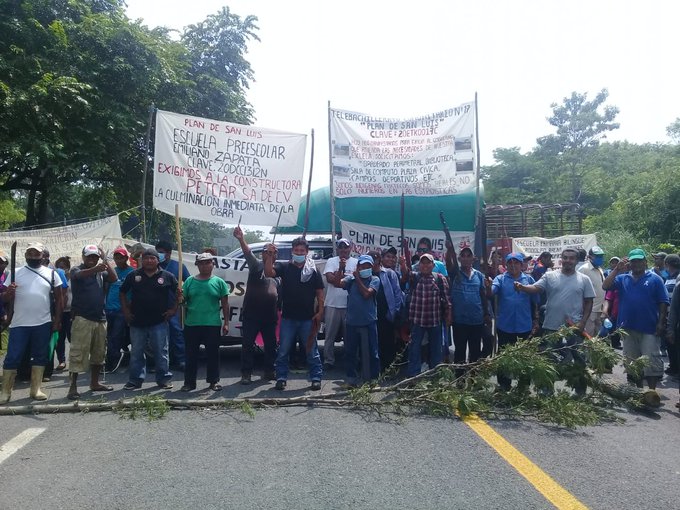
(216, 387)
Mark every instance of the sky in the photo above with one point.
(405, 59)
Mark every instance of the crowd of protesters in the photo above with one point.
(389, 311)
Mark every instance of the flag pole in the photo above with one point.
(152, 110)
(478, 195)
(331, 188)
(309, 189)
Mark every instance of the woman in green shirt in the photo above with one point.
(206, 302)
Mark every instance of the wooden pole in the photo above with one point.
(178, 238)
(309, 189)
(331, 189)
(477, 198)
(152, 110)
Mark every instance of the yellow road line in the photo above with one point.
(549, 488)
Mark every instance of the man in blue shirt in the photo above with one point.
(468, 299)
(117, 330)
(361, 318)
(516, 312)
(176, 335)
(643, 303)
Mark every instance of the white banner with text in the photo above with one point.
(222, 172)
(422, 156)
(365, 238)
(66, 241)
(537, 245)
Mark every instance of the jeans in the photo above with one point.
(354, 336)
(290, 329)
(467, 340)
(176, 340)
(210, 337)
(115, 335)
(387, 343)
(21, 338)
(435, 340)
(249, 331)
(157, 337)
(335, 322)
(569, 353)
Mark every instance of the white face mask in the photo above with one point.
(365, 273)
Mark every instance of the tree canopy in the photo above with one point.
(77, 78)
(629, 189)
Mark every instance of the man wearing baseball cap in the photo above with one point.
(117, 330)
(361, 318)
(335, 309)
(37, 312)
(88, 329)
(517, 312)
(593, 270)
(152, 303)
(643, 304)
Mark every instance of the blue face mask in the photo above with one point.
(161, 257)
(366, 273)
(299, 259)
(598, 260)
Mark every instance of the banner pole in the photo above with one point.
(309, 189)
(152, 110)
(178, 239)
(478, 195)
(331, 189)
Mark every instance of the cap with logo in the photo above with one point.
(514, 256)
(596, 250)
(365, 259)
(121, 251)
(342, 241)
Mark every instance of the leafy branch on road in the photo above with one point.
(447, 390)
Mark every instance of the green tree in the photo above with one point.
(580, 126)
(76, 81)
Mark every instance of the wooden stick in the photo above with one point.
(309, 190)
(178, 238)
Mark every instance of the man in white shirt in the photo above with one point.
(336, 298)
(593, 270)
(37, 312)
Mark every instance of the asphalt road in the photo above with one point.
(321, 458)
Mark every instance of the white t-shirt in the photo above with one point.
(336, 297)
(32, 297)
(564, 297)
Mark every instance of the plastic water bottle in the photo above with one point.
(607, 323)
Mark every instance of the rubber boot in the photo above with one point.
(36, 381)
(73, 388)
(95, 370)
(8, 377)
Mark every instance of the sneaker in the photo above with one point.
(246, 379)
(280, 385)
(316, 385)
(269, 375)
(165, 385)
(130, 386)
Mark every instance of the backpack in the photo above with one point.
(413, 284)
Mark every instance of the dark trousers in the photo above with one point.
(504, 339)
(249, 331)
(209, 336)
(64, 333)
(467, 339)
(387, 343)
